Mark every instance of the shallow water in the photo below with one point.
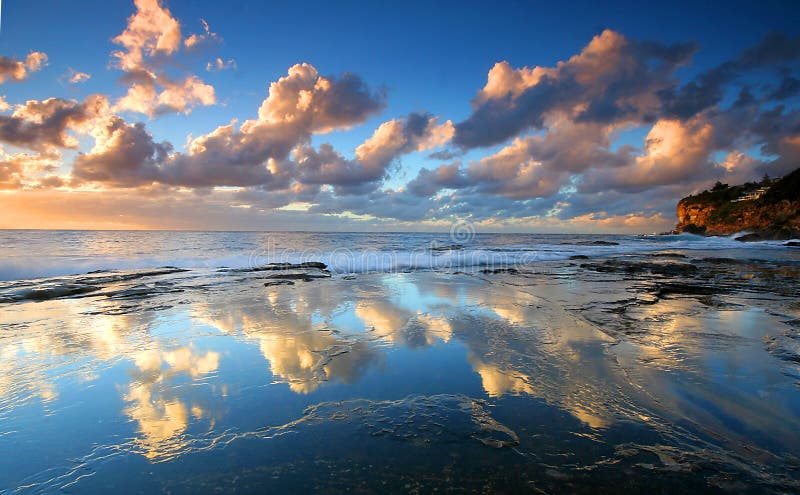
(629, 373)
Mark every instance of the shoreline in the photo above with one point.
(355, 254)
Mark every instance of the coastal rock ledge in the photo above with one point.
(770, 209)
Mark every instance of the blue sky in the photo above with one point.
(429, 57)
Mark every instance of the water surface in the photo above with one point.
(646, 368)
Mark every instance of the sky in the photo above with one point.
(379, 116)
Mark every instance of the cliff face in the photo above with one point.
(754, 216)
(776, 214)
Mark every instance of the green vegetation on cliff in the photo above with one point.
(788, 188)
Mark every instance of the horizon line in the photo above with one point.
(319, 231)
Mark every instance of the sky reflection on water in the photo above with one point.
(93, 388)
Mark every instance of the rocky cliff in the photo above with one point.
(775, 215)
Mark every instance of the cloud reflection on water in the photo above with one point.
(517, 340)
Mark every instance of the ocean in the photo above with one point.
(29, 254)
(272, 362)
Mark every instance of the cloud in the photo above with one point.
(417, 132)
(40, 124)
(195, 41)
(75, 77)
(251, 155)
(613, 78)
(297, 106)
(319, 103)
(789, 86)
(675, 152)
(218, 64)
(607, 139)
(151, 32)
(123, 155)
(255, 153)
(18, 169)
(577, 111)
(444, 155)
(180, 96)
(151, 39)
(628, 222)
(35, 61)
(388, 204)
(392, 139)
(17, 70)
(531, 166)
(708, 89)
(429, 182)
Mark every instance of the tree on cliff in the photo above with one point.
(719, 186)
(788, 187)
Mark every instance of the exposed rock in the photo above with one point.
(447, 247)
(598, 243)
(278, 282)
(668, 255)
(692, 228)
(768, 235)
(279, 266)
(74, 285)
(141, 291)
(792, 244)
(109, 276)
(722, 261)
(785, 347)
(45, 292)
(670, 269)
(686, 289)
(592, 243)
(300, 275)
(750, 238)
(579, 257)
(494, 271)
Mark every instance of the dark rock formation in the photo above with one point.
(619, 266)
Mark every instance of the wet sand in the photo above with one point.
(662, 372)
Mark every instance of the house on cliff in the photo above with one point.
(751, 195)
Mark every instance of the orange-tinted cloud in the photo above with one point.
(39, 124)
(151, 31)
(17, 70)
(151, 38)
(157, 95)
(75, 77)
(611, 79)
(559, 156)
(19, 169)
(195, 41)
